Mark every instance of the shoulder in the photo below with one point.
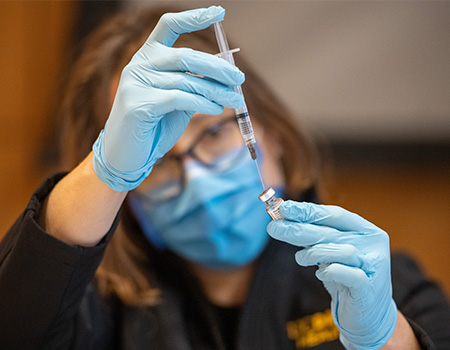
(407, 276)
(421, 300)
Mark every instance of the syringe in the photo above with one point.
(242, 116)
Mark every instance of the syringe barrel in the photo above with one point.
(245, 126)
(244, 122)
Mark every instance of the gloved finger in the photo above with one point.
(303, 235)
(326, 215)
(171, 25)
(348, 276)
(177, 100)
(196, 62)
(221, 94)
(329, 253)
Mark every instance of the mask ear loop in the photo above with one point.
(144, 222)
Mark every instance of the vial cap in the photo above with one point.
(267, 194)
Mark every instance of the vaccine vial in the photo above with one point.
(272, 203)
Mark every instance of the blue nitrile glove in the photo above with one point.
(354, 265)
(157, 97)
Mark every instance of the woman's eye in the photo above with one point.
(215, 134)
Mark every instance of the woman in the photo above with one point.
(190, 265)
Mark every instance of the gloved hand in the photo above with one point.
(354, 265)
(157, 97)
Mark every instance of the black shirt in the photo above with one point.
(227, 319)
(47, 301)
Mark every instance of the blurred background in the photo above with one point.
(370, 80)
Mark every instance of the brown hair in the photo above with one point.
(124, 270)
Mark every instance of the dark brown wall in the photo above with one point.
(410, 202)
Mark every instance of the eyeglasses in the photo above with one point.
(217, 148)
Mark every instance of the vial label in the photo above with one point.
(275, 214)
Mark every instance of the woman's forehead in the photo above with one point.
(200, 122)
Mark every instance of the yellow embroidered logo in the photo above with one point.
(312, 330)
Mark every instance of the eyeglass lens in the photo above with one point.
(217, 147)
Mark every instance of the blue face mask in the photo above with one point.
(217, 221)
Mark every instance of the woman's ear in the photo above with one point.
(273, 140)
(268, 140)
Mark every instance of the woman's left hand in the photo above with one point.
(354, 265)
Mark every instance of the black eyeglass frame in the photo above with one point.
(190, 151)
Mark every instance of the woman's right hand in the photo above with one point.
(159, 91)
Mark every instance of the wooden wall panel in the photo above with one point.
(411, 203)
(33, 38)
